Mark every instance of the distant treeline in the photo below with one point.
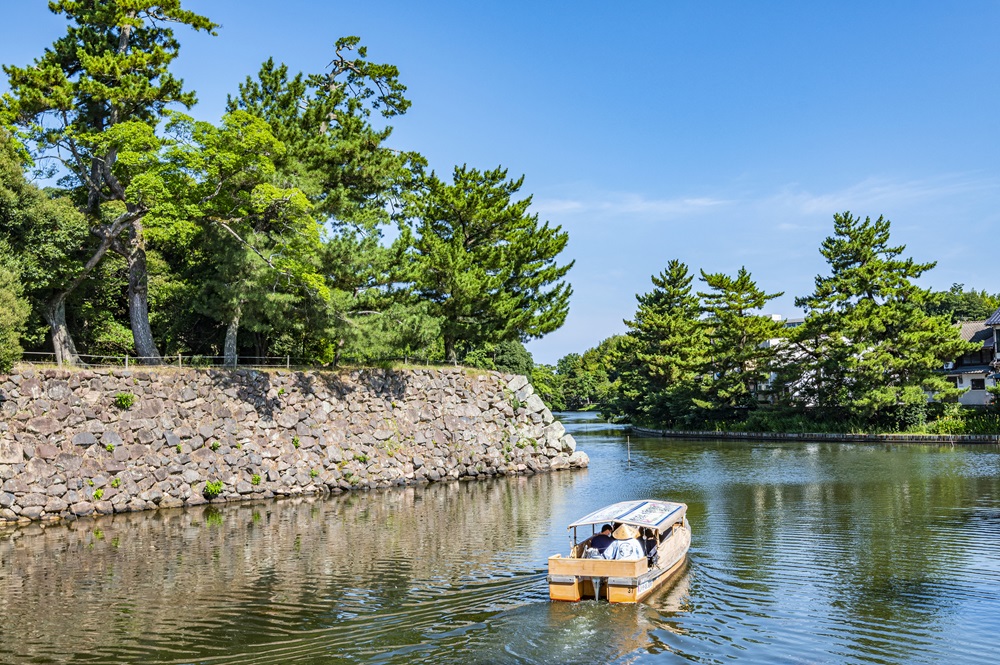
(865, 358)
(290, 227)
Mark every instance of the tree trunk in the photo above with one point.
(336, 355)
(138, 297)
(55, 310)
(449, 349)
(62, 341)
(229, 350)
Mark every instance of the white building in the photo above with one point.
(979, 369)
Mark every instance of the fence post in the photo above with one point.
(126, 361)
(178, 360)
(288, 362)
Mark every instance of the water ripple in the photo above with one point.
(802, 553)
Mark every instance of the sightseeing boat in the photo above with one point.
(583, 575)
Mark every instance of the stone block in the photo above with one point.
(46, 451)
(553, 432)
(534, 404)
(82, 508)
(84, 439)
(113, 438)
(519, 381)
(16, 485)
(11, 452)
(44, 425)
(55, 505)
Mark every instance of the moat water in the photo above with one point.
(801, 553)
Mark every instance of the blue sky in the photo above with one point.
(724, 134)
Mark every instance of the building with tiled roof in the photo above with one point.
(978, 369)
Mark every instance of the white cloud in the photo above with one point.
(629, 204)
(880, 193)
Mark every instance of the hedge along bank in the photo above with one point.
(78, 442)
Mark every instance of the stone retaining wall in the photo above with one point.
(72, 444)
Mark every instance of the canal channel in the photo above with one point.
(801, 553)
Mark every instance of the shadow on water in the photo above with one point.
(800, 553)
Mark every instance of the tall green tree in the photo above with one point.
(666, 352)
(255, 246)
(91, 104)
(374, 315)
(547, 384)
(510, 357)
(867, 345)
(963, 305)
(741, 349)
(340, 158)
(14, 309)
(50, 235)
(485, 263)
(334, 151)
(579, 387)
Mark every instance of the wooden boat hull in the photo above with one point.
(623, 581)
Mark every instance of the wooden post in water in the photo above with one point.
(628, 447)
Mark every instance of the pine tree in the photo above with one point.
(487, 266)
(91, 102)
(867, 347)
(356, 183)
(667, 350)
(741, 348)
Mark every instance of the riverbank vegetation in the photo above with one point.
(290, 227)
(866, 357)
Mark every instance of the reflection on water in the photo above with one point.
(800, 553)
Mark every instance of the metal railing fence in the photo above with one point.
(48, 358)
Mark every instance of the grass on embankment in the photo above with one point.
(952, 419)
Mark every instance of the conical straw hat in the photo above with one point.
(625, 532)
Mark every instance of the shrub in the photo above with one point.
(313, 473)
(124, 401)
(215, 445)
(255, 480)
(296, 442)
(213, 488)
(116, 482)
(98, 494)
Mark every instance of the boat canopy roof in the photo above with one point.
(648, 513)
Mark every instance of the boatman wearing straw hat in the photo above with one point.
(626, 545)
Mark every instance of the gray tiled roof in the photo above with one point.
(978, 332)
(994, 319)
(970, 369)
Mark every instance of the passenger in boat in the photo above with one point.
(649, 544)
(602, 540)
(626, 545)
